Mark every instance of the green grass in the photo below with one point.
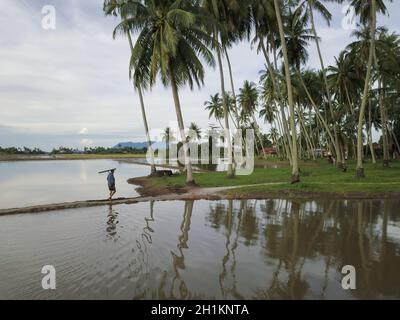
(338, 189)
(315, 177)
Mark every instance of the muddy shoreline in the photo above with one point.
(174, 193)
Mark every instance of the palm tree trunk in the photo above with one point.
(371, 146)
(275, 139)
(230, 172)
(178, 110)
(146, 127)
(300, 143)
(275, 87)
(328, 131)
(295, 156)
(286, 142)
(220, 124)
(340, 160)
(167, 147)
(271, 70)
(233, 121)
(259, 135)
(360, 167)
(309, 143)
(348, 99)
(385, 140)
(392, 133)
(232, 88)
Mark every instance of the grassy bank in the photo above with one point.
(317, 177)
(69, 157)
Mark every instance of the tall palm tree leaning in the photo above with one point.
(318, 5)
(216, 12)
(266, 30)
(115, 8)
(170, 43)
(367, 11)
(295, 158)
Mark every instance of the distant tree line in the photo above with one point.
(102, 150)
(98, 150)
(24, 150)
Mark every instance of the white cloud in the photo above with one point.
(84, 131)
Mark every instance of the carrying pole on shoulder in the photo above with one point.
(105, 171)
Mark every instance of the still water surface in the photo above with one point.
(25, 183)
(265, 249)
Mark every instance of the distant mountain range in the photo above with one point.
(138, 145)
(133, 145)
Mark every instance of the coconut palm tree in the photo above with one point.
(342, 79)
(268, 112)
(387, 67)
(215, 108)
(219, 14)
(248, 101)
(234, 26)
(271, 98)
(195, 132)
(327, 16)
(266, 31)
(295, 157)
(119, 8)
(172, 44)
(168, 136)
(297, 39)
(367, 10)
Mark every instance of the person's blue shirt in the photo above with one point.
(111, 179)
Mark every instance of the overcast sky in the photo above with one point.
(70, 86)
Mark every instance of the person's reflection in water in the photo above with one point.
(112, 222)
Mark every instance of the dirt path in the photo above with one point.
(201, 194)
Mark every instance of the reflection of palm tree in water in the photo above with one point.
(112, 222)
(230, 252)
(301, 285)
(234, 291)
(364, 261)
(226, 257)
(178, 260)
(294, 277)
(142, 246)
(383, 247)
(295, 288)
(247, 227)
(311, 245)
(274, 287)
(146, 239)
